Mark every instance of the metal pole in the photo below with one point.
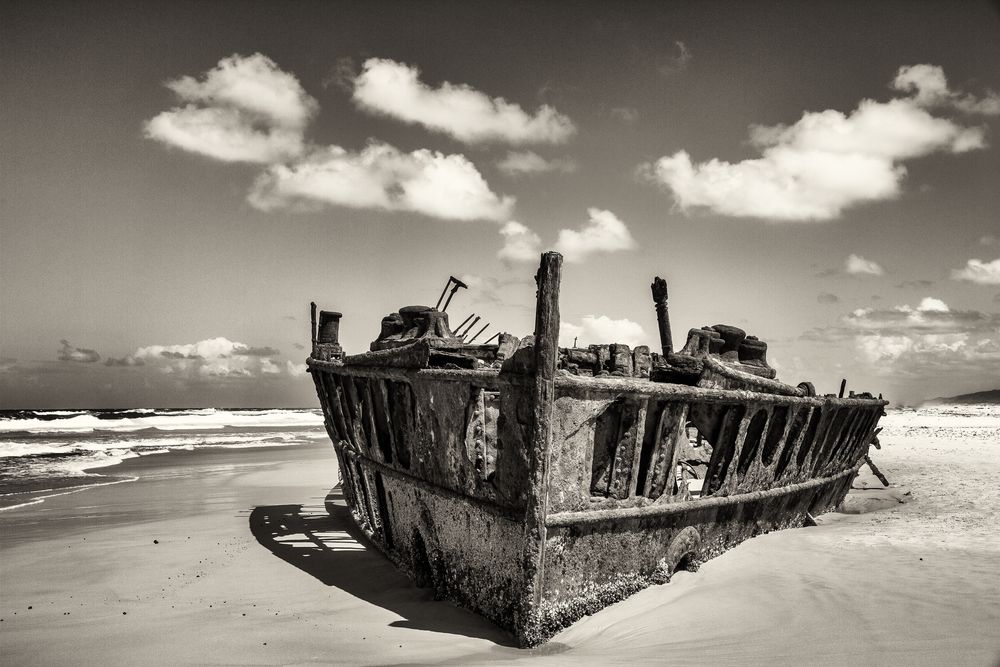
(464, 322)
(469, 328)
(438, 305)
(478, 333)
(458, 283)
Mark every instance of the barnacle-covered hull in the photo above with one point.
(534, 488)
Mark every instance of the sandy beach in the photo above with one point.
(229, 557)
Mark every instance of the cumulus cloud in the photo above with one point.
(520, 244)
(295, 370)
(77, 354)
(929, 340)
(824, 163)
(212, 358)
(520, 163)
(245, 109)
(603, 233)
(857, 265)
(394, 89)
(977, 271)
(381, 177)
(929, 87)
(601, 329)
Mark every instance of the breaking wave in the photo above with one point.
(59, 449)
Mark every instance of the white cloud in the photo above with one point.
(520, 244)
(518, 163)
(930, 88)
(246, 109)
(394, 89)
(295, 370)
(601, 330)
(930, 315)
(210, 358)
(78, 354)
(929, 341)
(977, 271)
(814, 169)
(603, 233)
(382, 177)
(858, 265)
(931, 305)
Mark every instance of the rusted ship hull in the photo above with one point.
(535, 496)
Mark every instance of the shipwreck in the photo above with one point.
(535, 484)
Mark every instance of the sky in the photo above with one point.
(179, 180)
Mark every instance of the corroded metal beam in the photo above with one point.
(590, 517)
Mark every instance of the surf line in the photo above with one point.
(75, 489)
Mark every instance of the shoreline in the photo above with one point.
(41, 488)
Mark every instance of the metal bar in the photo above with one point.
(479, 333)
(566, 519)
(457, 284)
(446, 285)
(464, 322)
(508, 513)
(469, 328)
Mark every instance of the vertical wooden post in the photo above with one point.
(545, 358)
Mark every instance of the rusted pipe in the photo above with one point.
(457, 284)
(464, 322)
(443, 292)
(469, 328)
(478, 333)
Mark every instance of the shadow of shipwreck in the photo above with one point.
(330, 547)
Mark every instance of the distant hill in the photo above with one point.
(990, 397)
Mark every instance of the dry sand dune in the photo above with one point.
(247, 567)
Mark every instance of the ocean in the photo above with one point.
(45, 452)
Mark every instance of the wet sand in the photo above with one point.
(228, 557)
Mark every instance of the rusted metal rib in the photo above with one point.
(588, 517)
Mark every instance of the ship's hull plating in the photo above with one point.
(434, 467)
